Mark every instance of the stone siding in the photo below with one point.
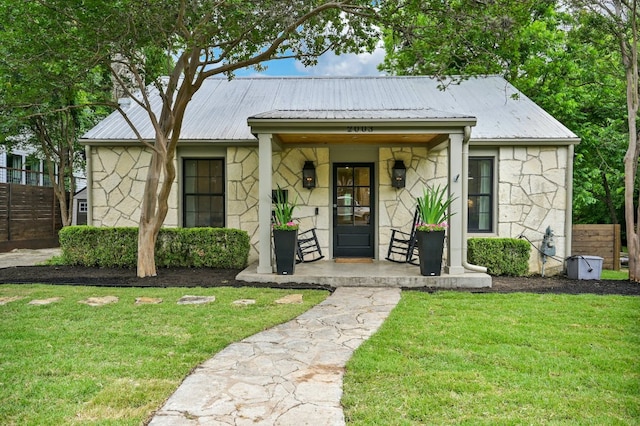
(397, 206)
(117, 186)
(531, 191)
(242, 184)
(532, 194)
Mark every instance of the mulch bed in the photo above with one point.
(185, 277)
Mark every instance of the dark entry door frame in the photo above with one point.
(353, 200)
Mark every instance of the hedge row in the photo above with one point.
(176, 247)
(501, 256)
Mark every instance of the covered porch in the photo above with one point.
(338, 134)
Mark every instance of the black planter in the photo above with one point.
(285, 243)
(430, 248)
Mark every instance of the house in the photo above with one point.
(507, 162)
(29, 211)
(21, 166)
(80, 207)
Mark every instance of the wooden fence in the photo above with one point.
(29, 217)
(598, 240)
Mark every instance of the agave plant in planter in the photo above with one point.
(433, 211)
(285, 233)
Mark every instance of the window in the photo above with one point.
(46, 181)
(33, 170)
(203, 200)
(15, 168)
(82, 207)
(480, 194)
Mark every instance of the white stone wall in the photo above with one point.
(397, 206)
(242, 194)
(117, 187)
(287, 166)
(532, 194)
(531, 190)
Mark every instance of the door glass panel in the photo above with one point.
(345, 205)
(354, 195)
(345, 177)
(361, 176)
(363, 196)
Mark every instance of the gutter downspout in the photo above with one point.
(465, 196)
(568, 216)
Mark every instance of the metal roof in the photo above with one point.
(220, 109)
(371, 114)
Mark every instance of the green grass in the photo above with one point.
(69, 363)
(608, 274)
(499, 359)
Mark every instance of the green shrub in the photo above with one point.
(176, 247)
(501, 256)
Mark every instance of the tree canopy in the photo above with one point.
(568, 63)
(48, 94)
(193, 40)
(575, 58)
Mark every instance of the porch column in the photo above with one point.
(264, 203)
(455, 231)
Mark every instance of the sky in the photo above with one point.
(329, 64)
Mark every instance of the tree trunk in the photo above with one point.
(155, 205)
(146, 250)
(57, 182)
(630, 59)
(150, 223)
(66, 210)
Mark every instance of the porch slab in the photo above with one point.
(379, 273)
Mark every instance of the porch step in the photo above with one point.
(378, 273)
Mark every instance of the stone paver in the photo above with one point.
(196, 300)
(288, 375)
(148, 300)
(99, 301)
(43, 302)
(9, 299)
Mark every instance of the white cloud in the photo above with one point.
(330, 64)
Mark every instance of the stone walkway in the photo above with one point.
(27, 257)
(288, 375)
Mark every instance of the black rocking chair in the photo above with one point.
(308, 247)
(403, 247)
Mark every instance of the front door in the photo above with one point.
(353, 210)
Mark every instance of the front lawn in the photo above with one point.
(487, 359)
(608, 274)
(69, 363)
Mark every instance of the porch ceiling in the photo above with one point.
(361, 138)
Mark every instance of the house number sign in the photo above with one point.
(359, 129)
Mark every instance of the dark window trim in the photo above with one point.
(491, 195)
(223, 193)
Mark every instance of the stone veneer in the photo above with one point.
(532, 194)
(531, 191)
(117, 186)
(242, 195)
(397, 206)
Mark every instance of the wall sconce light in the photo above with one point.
(309, 175)
(399, 174)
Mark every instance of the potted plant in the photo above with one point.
(285, 233)
(433, 214)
